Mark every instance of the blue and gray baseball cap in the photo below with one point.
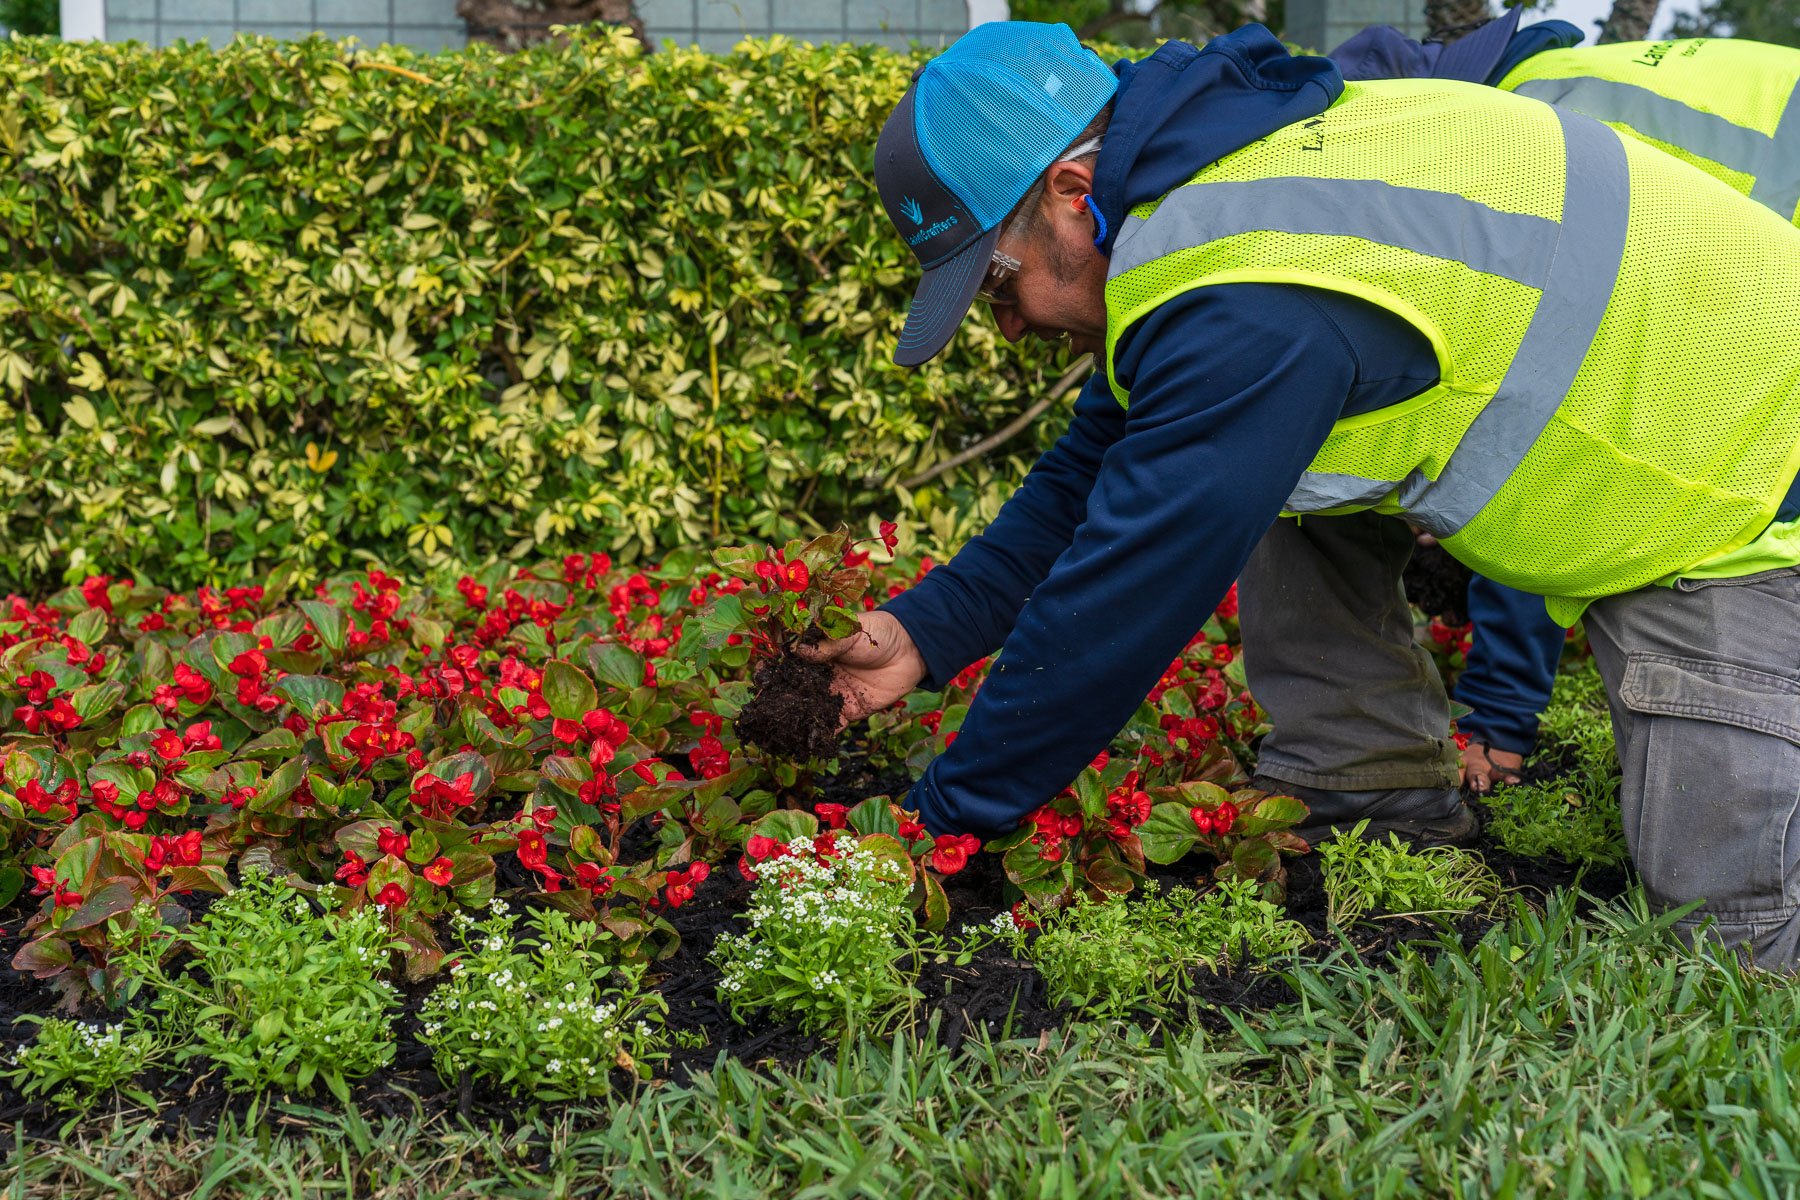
(977, 127)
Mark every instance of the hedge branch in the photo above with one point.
(364, 65)
(1078, 371)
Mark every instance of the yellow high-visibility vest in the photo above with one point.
(1726, 106)
(1619, 376)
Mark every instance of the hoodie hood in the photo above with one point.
(1486, 55)
(1186, 106)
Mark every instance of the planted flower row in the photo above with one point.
(567, 732)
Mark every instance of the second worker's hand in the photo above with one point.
(1484, 767)
(875, 666)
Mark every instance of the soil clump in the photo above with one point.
(794, 712)
(1438, 584)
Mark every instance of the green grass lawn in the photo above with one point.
(1561, 1055)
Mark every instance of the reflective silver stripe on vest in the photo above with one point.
(1515, 246)
(1575, 266)
(1320, 490)
(1706, 134)
(1583, 272)
(1778, 186)
(1772, 162)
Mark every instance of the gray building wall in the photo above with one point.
(1321, 25)
(432, 25)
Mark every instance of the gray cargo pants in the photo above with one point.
(1703, 678)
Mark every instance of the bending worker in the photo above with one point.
(1569, 357)
(1719, 104)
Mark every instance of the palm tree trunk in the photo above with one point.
(1629, 21)
(1447, 20)
(512, 24)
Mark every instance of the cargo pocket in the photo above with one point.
(1695, 585)
(1718, 765)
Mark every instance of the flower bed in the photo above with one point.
(996, 992)
(564, 735)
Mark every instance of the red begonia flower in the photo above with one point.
(534, 853)
(950, 852)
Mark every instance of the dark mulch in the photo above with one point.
(994, 993)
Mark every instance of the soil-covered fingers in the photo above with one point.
(856, 647)
(873, 667)
(829, 650)
(881, 642)
(858, 702)
(868, 689)
(1484, 768)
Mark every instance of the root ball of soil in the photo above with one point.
(794, 713)
(1438, 584)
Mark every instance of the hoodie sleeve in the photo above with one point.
(963, 610)
(1533, 39)
(1234, 388)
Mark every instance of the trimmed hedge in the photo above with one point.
(291, 302)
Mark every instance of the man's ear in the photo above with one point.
(1068, 182)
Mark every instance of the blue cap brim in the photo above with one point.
(943, 300)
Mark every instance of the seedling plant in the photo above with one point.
(274, 993)
(831, 944)
(74, 1065)
(1363, 875)
(799, 594)
(1112, 957)
(1575, 814)
(552, 1020)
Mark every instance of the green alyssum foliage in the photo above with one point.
(75, 1065)
(1576, 819)
(1363, 875)
(1575, 816)
(279, 303)
(275, 994)
(1115, 955)
(832, 942)
(551, 1021)
(1576, 725)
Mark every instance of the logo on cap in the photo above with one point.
(909, 208)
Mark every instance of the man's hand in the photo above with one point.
(875, 666)
(1483, 767)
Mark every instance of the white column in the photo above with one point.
(84, 20)
(980, 11)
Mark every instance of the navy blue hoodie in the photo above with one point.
(1127, 533)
